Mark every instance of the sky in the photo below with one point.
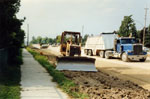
(51, 17)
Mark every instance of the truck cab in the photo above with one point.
(128, 49)
(109, 45)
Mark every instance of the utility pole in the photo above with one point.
(145, 25)
(82, 30)
(27, 34)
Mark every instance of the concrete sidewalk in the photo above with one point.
(36, 82)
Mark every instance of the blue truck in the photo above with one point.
(109, 45)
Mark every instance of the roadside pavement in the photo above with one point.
(36, 83)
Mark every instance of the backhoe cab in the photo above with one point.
(70, 43)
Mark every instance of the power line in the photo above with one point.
(145, 25)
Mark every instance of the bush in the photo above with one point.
(10, 81)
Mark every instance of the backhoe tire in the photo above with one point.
(102, 54)
(79, 54)
(71, 54)
(67, 53)
(124, 57)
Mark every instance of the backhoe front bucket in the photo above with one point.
(76, 64)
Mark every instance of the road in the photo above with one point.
(137, 72)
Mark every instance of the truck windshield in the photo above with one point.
(128, 41)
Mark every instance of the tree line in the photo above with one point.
(44, 40)
(11, 34)
(127, 28)
(57, 40)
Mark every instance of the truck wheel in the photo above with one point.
(90, 52)
(142, 60)
(102, 54)
(107, 55)
(124, 57)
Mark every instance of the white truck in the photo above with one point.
(108, 45)
(97, 45)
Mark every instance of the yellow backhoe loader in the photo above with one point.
(70, 48)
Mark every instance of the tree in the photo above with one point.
(140, 36)
(147, 36)
(84, 39)
(127, 27)
(58, 39)
(50, 40)
(133, 30)
(9, 24)
(46, 40)
(39, 39)
(34, 40)
(11, 35)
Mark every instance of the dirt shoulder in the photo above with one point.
(137, 74)
(102, 85)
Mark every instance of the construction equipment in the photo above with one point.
(70, 48)
(108, 45)
(70, 43)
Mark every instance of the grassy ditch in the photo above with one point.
(10, 80)
(65, 84)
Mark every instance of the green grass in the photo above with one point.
(9, 81)
(64, 83)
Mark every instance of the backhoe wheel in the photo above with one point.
(90, 52)
(79, 54)
(71, 54)
(107, 55)
(143, 60)
(124, 57)
(102, 54)
(67, 53)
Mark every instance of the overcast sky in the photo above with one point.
(52, 17)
